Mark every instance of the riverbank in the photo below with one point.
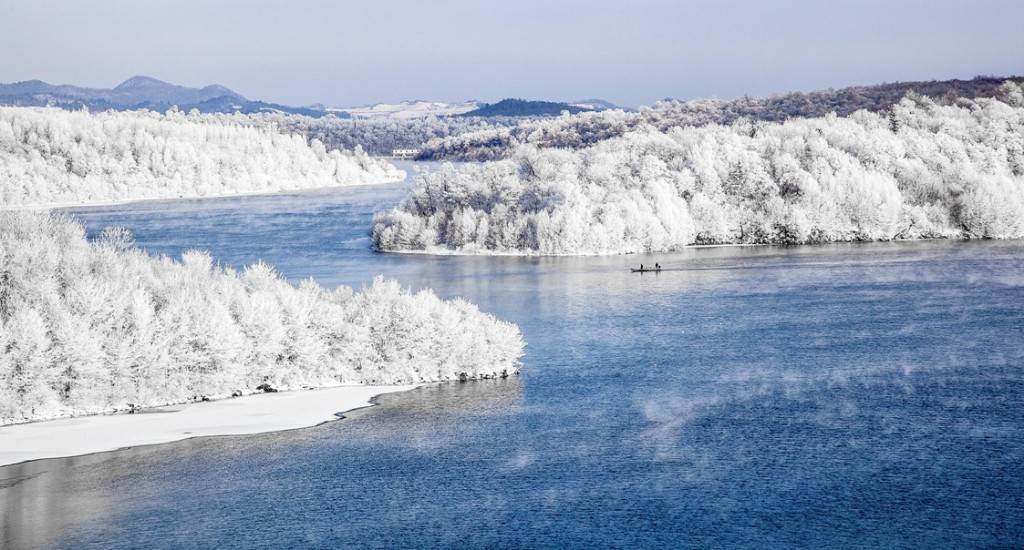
(269, 412)
(156, 200)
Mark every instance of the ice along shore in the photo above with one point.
(259, 413)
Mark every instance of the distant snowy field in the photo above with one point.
(408, 109)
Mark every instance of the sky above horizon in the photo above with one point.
(631, 53)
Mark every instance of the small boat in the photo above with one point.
(644, 270)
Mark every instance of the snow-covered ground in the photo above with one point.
(409, 109)
(260, 413)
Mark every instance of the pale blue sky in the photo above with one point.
(347, 53)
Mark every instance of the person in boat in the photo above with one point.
(641, 267)
(657, 267)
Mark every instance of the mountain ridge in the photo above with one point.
(140, 92)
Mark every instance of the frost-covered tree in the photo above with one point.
(375, 136)
(49, 156)
(89, 327)
(943, 171)
(585, 129)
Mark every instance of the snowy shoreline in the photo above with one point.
(535, 254)
(101, 204)
(253, 414)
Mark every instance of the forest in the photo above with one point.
(922, 169)
(376, 136)
(52, 157)
(93, 326)
(584, 129)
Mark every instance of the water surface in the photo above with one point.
(832, 396)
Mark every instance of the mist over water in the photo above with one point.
(830, 396)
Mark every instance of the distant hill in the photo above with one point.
(140, 92)
(875, 97)
(144, 89)
(522, 107)
(408, 109)
(588, 128)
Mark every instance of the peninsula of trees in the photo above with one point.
(98, 326)
(922, 169)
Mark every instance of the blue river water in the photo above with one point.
(862, 395)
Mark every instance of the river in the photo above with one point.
(860, 395)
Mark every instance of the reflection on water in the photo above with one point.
(848, 395)
(42, 499)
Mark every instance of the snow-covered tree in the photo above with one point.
(49, 156)
(89, 327)
(953, 170)
(376, 136)
(499, 141)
